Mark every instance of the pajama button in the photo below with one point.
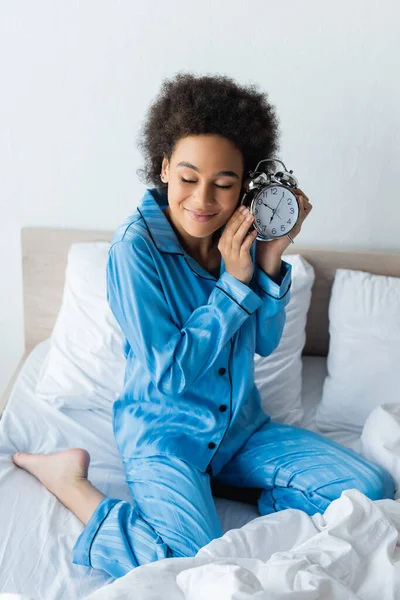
(211, 445)
(222, 371)
(223, 407)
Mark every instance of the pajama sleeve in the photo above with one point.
(271, 315)
(174, 354)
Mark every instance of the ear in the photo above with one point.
(164, 170)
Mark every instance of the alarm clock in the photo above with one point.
(269, 197)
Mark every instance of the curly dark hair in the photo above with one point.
(192, 105)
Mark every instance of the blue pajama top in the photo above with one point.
(189, 341)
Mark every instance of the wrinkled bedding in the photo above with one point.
(349, 552)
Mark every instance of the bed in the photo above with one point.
(38, 532)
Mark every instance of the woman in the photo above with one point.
(195, 298)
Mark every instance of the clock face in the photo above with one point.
(275, 211)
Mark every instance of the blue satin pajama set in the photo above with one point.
(190, 410)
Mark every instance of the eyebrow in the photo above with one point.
(190, 166)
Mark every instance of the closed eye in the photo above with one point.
(223, 187)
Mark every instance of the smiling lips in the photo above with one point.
(200, 217)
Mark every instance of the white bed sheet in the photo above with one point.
(37, 531)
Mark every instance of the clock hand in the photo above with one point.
(270, 207)
(283, 194)
(273, 210)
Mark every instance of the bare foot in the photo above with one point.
(56, 470)
(64, 474)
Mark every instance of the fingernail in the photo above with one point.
(246, 210)
(249, 217)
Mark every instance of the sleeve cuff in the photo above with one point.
(241, 293)
(272, 288)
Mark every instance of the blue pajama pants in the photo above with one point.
(173, 512)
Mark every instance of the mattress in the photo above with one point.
(37, 531)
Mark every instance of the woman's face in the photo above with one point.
(204, 180)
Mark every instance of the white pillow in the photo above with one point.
(85, 365)
(279, 375)
(364, 349)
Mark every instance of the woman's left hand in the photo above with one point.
(269, 254)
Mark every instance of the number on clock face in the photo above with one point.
(276, 211)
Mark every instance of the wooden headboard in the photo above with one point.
(45, 252)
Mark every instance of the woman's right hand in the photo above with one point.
(235, 247)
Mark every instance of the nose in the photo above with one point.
(204, 198)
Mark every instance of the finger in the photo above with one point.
(300, 192)
(235, 221)
(305, 202)
(302, 201)
(241, 210)
(303, 214)
(249, 240)
(235, 227)
(305, 206)
(238, 237)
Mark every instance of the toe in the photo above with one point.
(19, 457)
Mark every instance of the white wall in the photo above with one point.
(77, 78)
(11, 306)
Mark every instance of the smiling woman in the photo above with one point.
(190, 411)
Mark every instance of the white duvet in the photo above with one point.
(348, 552)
